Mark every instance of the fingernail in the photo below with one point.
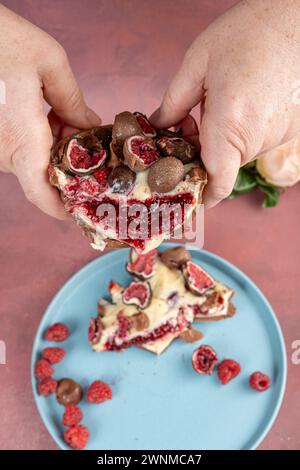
(93, 118)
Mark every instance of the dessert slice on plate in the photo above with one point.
(128, 184)
(167, 293)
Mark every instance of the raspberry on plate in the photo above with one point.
(57, 332)
(47, 386)
(77, 436)
(53, 355)
(72, 415)
(228, 369)
(259, 381)
(43, 369)
(98, 392)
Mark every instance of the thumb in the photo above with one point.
(62, 92)
(222, 160)
(185, 90)
(30, 165)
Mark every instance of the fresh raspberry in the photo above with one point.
(228, 369)
(259, 381)
(47, 386)
(77, 436)
(101, 176)
(43, 369)
(72, 415)
(53, 355)
(57, 332)
(98, 392)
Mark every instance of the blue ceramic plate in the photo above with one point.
(160, 402)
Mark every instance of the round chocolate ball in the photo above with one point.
(68, 392)
(165, 174)
(121, 179)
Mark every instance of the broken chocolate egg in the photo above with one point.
(165, 174)
(125, 125)
(142, 266)
(175, 257)
(115, 158)
(176, 147)
(146, 127)
(197, 280)
(68, 392)
(137, 293)
(121, 179)
(204, 359)
(140, 152)
(196, 174)
(84, 156)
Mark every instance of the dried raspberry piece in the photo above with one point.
(98, 392)
(57, 332)
(204, 359)
(47, 386)
(43, 369)
(228, 369)
(72, 415)
(77, 436)
(259, 381)
(101, 176)
(53, 355)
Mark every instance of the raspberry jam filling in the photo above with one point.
(114, 343)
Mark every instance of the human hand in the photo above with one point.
(34, 66)
(242, 69)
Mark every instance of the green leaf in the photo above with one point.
(272, 196)
(250, 165)
(245, 181)
(262, 182)
(233, 194)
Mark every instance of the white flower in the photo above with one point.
(281, 166)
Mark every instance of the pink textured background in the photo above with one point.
(123, 54)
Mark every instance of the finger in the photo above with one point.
(184, 92)
(190, 130)
(58, 129)
(62, 92)
(30, 165)
(222, 161)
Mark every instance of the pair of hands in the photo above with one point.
(241, 69)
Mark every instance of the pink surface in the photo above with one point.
(123, 54)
